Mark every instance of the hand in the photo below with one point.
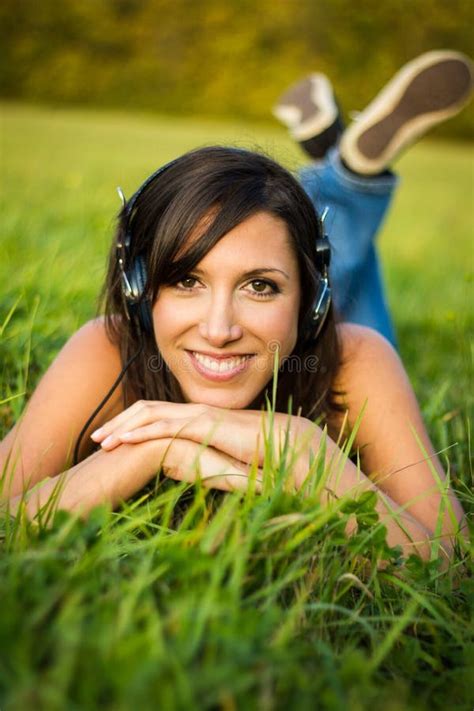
(236, 433)
(183, 460)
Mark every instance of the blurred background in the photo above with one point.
(219, 58)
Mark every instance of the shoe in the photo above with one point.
(311, 113)
(426, 91)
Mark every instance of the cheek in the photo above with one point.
(168, 320)
(280, 329)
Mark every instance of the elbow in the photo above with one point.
(445, 530)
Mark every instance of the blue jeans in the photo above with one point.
(357, 206)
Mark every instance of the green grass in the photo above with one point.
(187, 599)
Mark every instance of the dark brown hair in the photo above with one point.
(219, 188)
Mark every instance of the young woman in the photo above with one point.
(218, 268)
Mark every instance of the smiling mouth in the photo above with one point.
(222, 368)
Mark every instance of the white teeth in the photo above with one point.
(223, 365)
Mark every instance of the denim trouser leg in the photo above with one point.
(357, 206)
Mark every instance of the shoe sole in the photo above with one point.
(314, 112)
(425, 92)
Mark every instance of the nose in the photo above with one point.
(218, 326)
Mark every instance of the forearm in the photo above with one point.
(344, 479)
(113, 476)
(104, 477)
(403, 529)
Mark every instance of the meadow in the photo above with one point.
(190, 599)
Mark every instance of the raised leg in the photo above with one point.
(352, 179)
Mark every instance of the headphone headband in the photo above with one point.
(129, 205)
(134, 273)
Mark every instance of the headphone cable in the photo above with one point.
(75, 458)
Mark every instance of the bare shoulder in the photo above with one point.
(362, 342)
(87, 364)
(69, 391)
(371, 379)
(368, 361)
(92, 342)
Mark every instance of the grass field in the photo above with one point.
(263, 604)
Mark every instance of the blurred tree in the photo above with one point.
(218, 58)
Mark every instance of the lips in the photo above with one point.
(219, 368)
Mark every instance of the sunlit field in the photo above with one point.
(190, 599)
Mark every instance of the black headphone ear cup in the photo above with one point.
(322, 303)
(145, 316)
(316, 318)
(144, 306)
(322, 300)
(323, 253)
(140, 308)
(137, 277)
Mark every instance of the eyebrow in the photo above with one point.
(253, 272)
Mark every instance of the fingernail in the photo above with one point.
(108, 440)
(98, 433)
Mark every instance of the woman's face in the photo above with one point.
(219, 327)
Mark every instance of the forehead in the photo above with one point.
(261, 240)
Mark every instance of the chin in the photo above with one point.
(221, 398)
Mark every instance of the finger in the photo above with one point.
(146, 415)
(145, 409)
(142, 429)
(184, 428)
(103, 432)
(142, 419)
(213, 470)
(184, 460)
(230, 480)
(155, 430)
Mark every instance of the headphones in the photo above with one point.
(134, 275)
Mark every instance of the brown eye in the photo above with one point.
(260, 286)
(187, 283)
